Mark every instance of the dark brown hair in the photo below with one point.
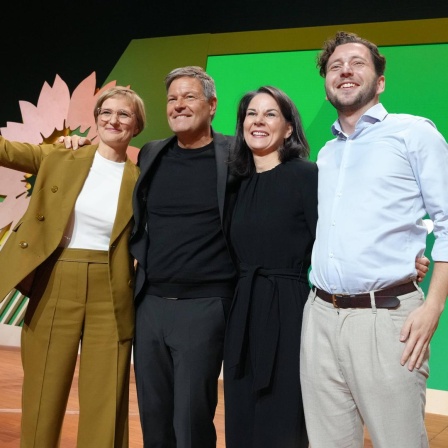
(342, 38)
(295, 146)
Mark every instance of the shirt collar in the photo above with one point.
(374, 114)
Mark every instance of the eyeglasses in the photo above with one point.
(123, 116)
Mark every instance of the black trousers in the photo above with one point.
(272, 417)
(178, 351)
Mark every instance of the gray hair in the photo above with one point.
(191, 71)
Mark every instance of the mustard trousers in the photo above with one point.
(71, 304)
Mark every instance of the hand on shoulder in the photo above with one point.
(73, 141)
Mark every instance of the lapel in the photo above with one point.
(124, 209)
(150, 152)
(73, 176)
(221, 156)
(146, 157)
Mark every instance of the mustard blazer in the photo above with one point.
(60, 176)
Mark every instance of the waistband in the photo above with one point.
(82, 255)
(191, 290)
(384, 298)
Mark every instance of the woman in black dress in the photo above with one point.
(272, 234)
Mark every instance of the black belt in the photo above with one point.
(384, 298)
(239, 322)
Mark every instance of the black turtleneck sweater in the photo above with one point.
(188, 256)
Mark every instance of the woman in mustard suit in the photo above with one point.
(69, 255)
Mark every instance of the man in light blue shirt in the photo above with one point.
(367, 327)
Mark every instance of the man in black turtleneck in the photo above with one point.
(185, 274)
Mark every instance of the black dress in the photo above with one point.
(272, 234)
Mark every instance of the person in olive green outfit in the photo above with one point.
(69, 254)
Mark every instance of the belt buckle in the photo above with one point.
(334, 300)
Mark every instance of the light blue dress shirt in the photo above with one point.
(375, 187)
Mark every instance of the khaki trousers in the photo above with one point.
(71, 304)
(351, 375)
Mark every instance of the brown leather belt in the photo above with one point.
(384, 298)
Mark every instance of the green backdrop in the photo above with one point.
(407, 90)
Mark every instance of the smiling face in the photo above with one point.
(264, 126)
(189, 112)
(351, 83)
(114, 129)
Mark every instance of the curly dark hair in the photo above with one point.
(342, 38)
(295, 146)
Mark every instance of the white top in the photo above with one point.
(375, 186)
(90, 225)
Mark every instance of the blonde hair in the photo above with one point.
(137, 104)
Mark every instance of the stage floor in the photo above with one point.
(10, 411)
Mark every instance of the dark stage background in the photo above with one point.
(72, 39)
